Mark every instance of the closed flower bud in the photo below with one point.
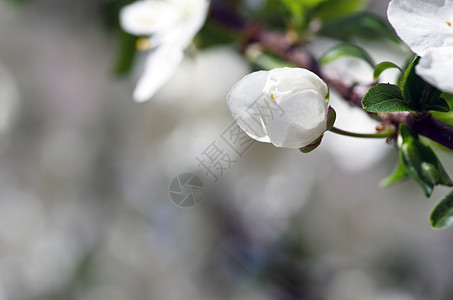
(287, 107)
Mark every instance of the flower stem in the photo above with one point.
(381, 134)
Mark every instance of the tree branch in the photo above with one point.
(431, 128)
(297, 54)
(280, 45)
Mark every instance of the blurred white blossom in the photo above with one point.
(290, 104)
(169, 27)
(427, 28)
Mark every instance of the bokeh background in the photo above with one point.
(84, 206)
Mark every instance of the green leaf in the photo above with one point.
(419, 93)
(363, 25)
(430, 172)
(382, 67)
(342, 50)
(412, 83)
(407, 135)
(331, 117)
(385, 98)
(412, 161)
(438, 104)
(442, 215)
(445, 117)
(312, 146)
(421, 162)
(398, 174)
(448, 98)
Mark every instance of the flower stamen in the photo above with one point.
(449, 24)
(143, 44)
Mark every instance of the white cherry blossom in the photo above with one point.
(285, 106)
(436, 68)
(169, 26)
(426, 26)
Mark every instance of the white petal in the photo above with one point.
(303, 121)
(193, 17)
(147, 17)
(197, 10)
(160, 65)
(174, 21)
(422, 24)
(285, 81)
(436, 67)
(242, 101)
(192, 6)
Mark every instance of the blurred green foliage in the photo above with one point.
(299, 13)
(213, 34)
(126, 52)
(350, 50)
(18, 1)
(363, 25)
(126, 42)
(332, 9)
